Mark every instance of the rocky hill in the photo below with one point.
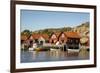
(82, 29)
(51, 30)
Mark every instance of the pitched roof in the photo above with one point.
(72, 34)
(36, 36)
(56, 33)
(68, 34)
(45, 36)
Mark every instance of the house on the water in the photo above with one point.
(73, 40)
(24, 42)
(54, 37)
(39, 38)
(70, 39)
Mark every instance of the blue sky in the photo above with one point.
(35, 20)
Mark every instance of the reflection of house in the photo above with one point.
(38, 38)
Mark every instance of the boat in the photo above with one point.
(31, 49)
(41, 49)
(73, 50)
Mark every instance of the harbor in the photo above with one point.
(47, 56)
(59, 46)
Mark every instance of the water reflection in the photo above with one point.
(44, 56)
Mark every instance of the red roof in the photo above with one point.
(37, 36)
(68, 34)
(45, 36)
(56, 34)
(72, 34)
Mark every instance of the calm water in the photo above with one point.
(44, 56)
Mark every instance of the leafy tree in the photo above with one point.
(26, 32)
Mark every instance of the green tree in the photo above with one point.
(26, 32)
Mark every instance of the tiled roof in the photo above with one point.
(56, 33)
(68, 34)
(45, 36)
(72, 34)
(37, 36)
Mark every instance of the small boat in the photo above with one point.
(41, 49)
(37, 49)
(31, 49)
(73, 50)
